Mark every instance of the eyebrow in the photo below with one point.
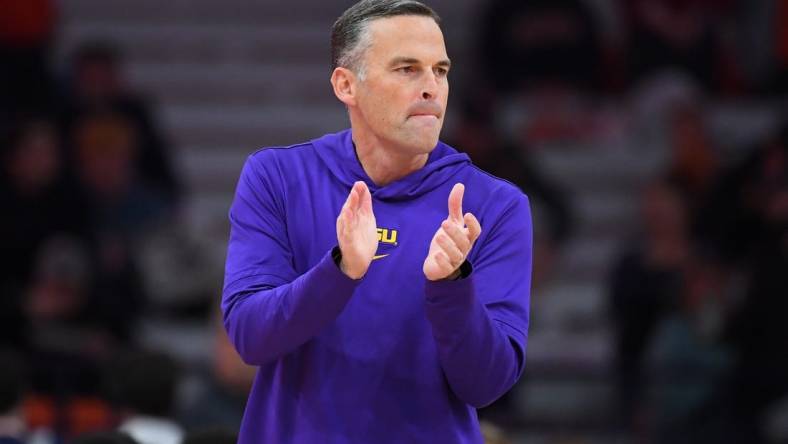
(446, 63)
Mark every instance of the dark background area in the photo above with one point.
(650, 135)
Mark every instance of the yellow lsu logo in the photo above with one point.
(387, 236)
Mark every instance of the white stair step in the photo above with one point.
(570, 304)
(584, 352)
(211, 169)
(581, 167)
(584, 256)
(600, 208)
(201, 11)
(207, 43)
(252, 126)
(561, 402)
(238, 84)
(236, 11)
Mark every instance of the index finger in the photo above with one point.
(455, 202)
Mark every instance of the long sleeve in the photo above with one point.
(268, 309)
(480, 323)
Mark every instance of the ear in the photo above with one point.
(344, 82)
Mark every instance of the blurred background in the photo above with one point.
(650, 135)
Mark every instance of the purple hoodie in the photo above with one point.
(392, 357)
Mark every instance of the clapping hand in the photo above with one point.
(453, 240)
(357, 232)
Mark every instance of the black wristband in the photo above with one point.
(465, 270)
(336, 254)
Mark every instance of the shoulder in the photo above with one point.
(266, 169)
(281, 154)
(490, 186)
(502, 209)
(276, 161)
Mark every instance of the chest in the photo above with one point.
(404, 229)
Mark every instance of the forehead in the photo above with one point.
(410, 36)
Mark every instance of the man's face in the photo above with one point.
(402, 99)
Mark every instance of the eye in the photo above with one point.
(406, 69)
(441, 72)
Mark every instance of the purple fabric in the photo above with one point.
(392, 357)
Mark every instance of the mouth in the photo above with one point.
(425, 117)
(425, 121)
(427, 112)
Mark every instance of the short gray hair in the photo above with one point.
(349, 36)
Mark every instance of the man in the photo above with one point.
(394, 323)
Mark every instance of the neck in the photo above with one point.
(385, 164)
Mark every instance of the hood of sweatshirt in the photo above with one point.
(338, 153)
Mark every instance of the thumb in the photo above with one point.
(455, 203)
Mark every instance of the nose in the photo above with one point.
(429, 88)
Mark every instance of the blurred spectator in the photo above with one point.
(122, 210)
(26, 31)
(686, 311)
(679, 34)
(539, 43)
(36, 199)
(37, 203)
(106, 148)
(98, 85)
(216, 435)
(686, 358)
(61, 283)
(695, 164)
(758, 333)
(221, 396)
(104, 438)
(745, 210)
(754, 236)
(67, 339)
(143, 384)
(645, 286)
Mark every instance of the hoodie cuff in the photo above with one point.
(451, 308)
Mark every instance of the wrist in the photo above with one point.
(462, 272)
(349, 272)
(339, 260)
